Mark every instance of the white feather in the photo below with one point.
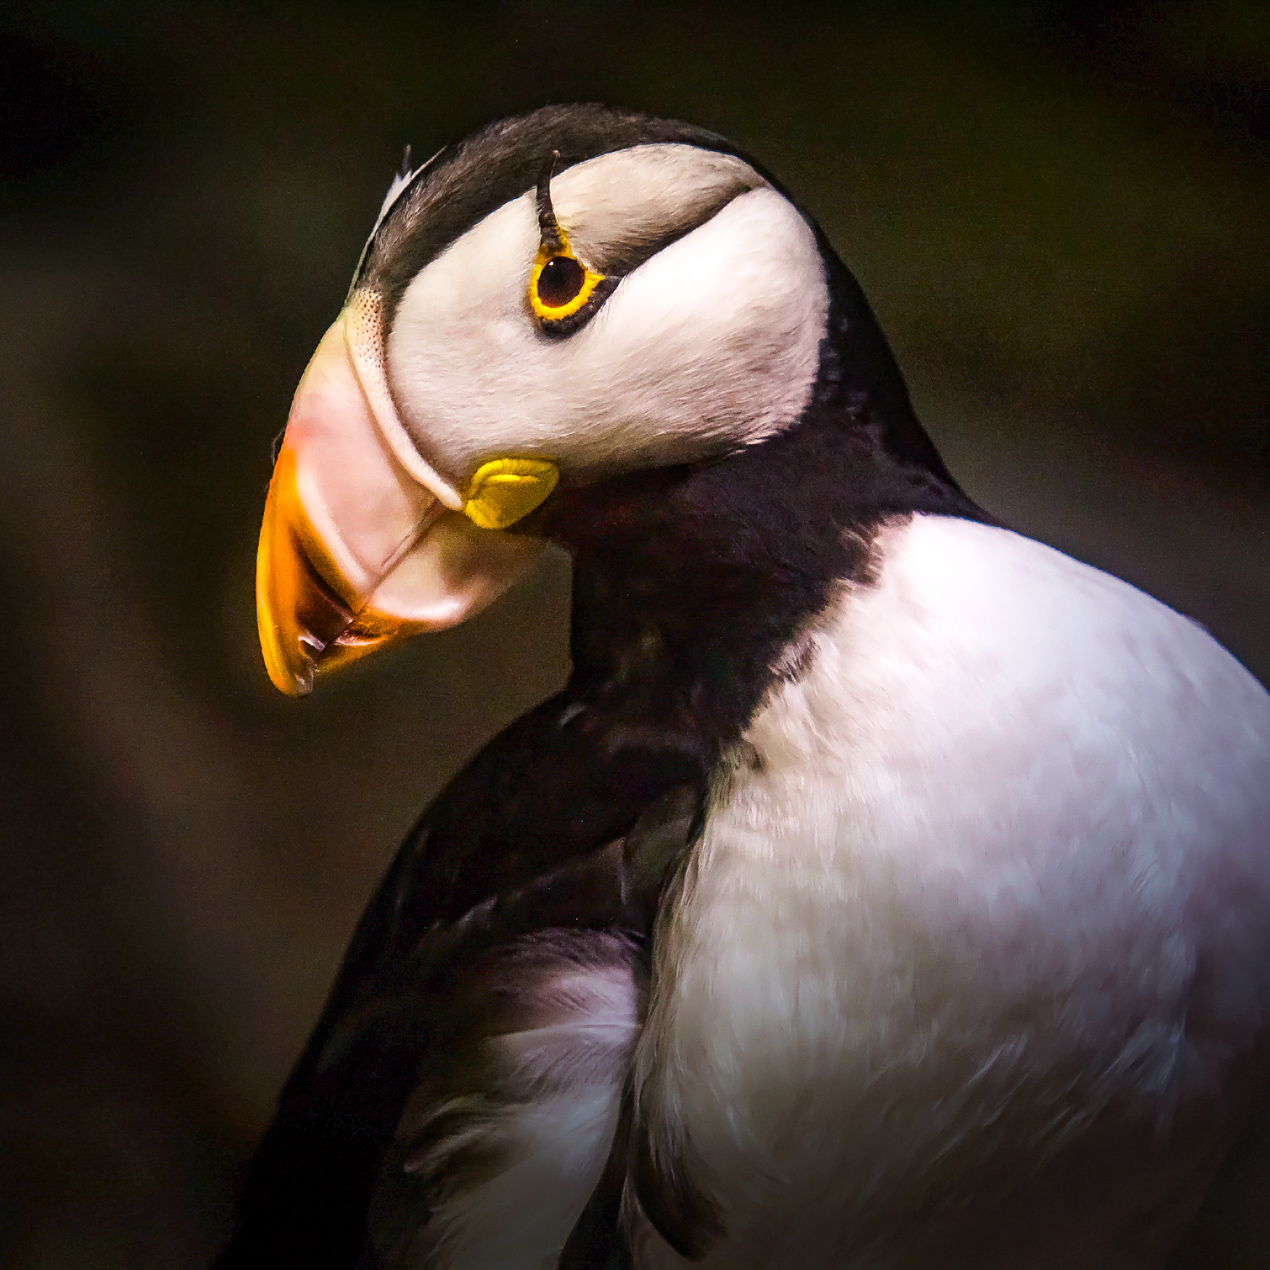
(621, 200)
(552, 1120)
(400, 182)
(1002, 861)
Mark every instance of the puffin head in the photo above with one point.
(558, 300)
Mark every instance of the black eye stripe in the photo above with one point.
(485, 170)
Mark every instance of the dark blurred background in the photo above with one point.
(1061, 212)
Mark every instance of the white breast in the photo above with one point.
(997, 859)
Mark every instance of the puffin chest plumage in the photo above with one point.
(947, 912)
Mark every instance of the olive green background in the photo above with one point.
(1060, 211)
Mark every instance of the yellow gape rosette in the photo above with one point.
(504, 491)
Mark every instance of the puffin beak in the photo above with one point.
(363, 542)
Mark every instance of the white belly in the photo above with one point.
(996, 861)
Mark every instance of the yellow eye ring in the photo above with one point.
(560, 284)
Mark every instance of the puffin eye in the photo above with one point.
(560, 287)
(559, 281)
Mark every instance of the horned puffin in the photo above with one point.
(885, 889)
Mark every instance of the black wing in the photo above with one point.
(529, 887)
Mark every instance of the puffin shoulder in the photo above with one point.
(985, 707)
(1039, 691)
(999, 601)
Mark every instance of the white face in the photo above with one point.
(403, 461)
(710, 344)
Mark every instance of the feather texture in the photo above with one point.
(988, 877)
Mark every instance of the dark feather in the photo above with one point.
(398, 1013)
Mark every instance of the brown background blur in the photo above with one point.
(1061, 212)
